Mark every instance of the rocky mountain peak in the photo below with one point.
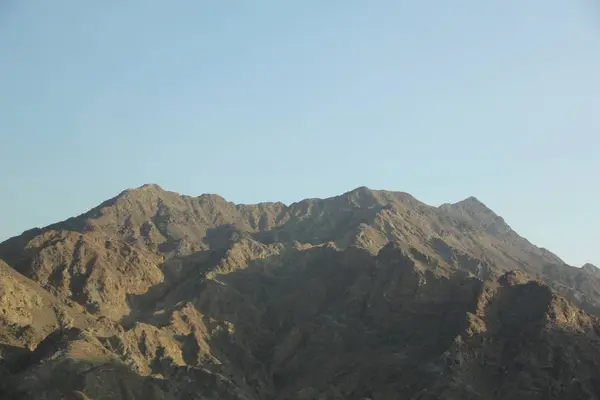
(472, 202)
(363, 295)
(148, 187)
(474, 206)
(361, 197)
(477, 213)
(361, 190)
(591, 269)
(145, 189)
(151, 186)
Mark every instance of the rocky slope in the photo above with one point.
(370, 294)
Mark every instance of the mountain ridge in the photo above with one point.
(369, 293)
(148, 222)
(154, 191)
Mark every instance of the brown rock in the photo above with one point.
(370, 294)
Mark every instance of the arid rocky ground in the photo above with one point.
(367, 295)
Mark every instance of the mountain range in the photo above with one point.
(367, 295)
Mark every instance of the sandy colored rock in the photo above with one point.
(367, 295)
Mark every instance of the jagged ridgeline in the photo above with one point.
(370, 294)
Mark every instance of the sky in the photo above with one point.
(281, 100)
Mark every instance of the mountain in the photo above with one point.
(591, 268)
(369, 294)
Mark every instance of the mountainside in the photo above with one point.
(370, 294)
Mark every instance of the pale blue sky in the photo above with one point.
(281, 100)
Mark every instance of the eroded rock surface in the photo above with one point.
(370, 294)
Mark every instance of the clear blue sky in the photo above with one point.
(280, 100)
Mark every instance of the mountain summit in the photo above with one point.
(369, 294)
